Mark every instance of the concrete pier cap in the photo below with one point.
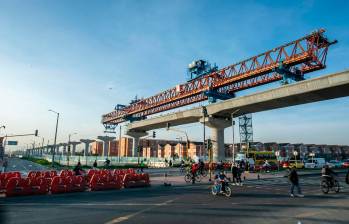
(136, 135)
(106, 140)
(217, 126)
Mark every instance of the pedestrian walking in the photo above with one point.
(4, 165)
(142, 166)
(234, 172)
(294, 180)
(239, 173)
(95, 164)
(78, 169)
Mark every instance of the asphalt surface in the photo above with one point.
(24, 166)
(258, 201)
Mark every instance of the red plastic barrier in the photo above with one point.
(4, 178)
(105, 181)
(58, 185)
(38, 185)
(75, 183)
(66, 173)
(17, 186)
(136, 180)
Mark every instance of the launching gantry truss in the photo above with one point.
(293, 59)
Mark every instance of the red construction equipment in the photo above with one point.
(296, 58)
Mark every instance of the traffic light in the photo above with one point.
(154, 134)
(36, 133)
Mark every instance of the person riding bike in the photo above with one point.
(201, 166)
(222, 178)
(328, 174)
(194, 170)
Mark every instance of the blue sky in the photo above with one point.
(66, 55)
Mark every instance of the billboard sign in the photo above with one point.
(12, 142)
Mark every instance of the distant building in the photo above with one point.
(170, 149)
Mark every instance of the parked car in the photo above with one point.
(346, 163)
(284, 164)
(261, 166)
(315, 163)
(334, 164)
(296, 163)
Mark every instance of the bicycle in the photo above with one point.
(216, 189)
(189, 177)
(327, 185)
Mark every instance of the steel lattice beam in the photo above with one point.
(307, 54)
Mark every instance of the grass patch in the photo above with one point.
(47, 163)
(42, 162)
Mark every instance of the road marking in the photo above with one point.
(83, 204)
(126, 217)
(307, 214)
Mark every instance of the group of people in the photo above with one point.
(326, 173)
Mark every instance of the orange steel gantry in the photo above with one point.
(301, 56)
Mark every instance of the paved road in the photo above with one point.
(258, 201)
(24, 166)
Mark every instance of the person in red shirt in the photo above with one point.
(194, 169)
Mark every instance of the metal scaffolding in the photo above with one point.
(246, 129)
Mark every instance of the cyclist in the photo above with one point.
(194, 170)
(107, 163)
(328, 174)
(201, 166)
(223, 180)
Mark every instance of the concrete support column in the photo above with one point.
(64, 145)
(58, 148)
(106, 140)
(87, 143)
(74, 144)
(136, 135)
(217, 126)
(49, 149)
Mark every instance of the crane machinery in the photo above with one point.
(289, 62)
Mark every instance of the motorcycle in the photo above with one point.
(216, 189)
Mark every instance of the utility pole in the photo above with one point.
(204, 112)
(119, 153)
(55, 141)
(233, 123)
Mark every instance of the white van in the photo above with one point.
(315, 163)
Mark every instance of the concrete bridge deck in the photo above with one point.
(312, 90)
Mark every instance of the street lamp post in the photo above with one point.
(119, 153)
(55, 141)
(277, 154)
(233, 123)
(180, 148)
(312, 154)
(295, 153)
